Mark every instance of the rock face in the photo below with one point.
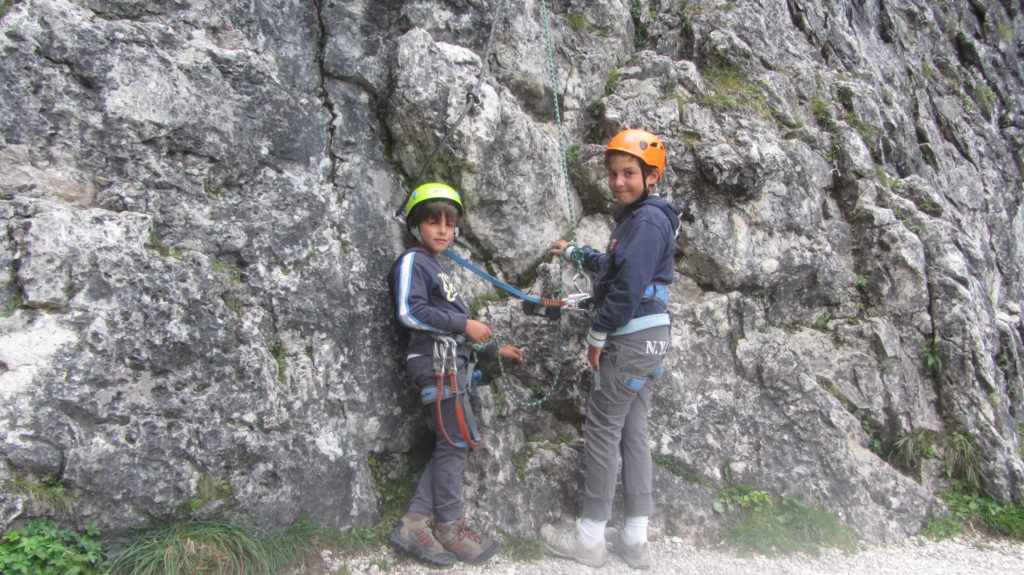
(197, 203)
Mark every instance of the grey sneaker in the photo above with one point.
(415, 534)
(636, 556)
(566, 543)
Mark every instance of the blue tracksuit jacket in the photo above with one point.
(639, 253)
(427, 301)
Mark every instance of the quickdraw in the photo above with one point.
(446, 363)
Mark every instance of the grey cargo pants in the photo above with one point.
(617, 424)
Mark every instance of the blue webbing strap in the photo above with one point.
(497, 282)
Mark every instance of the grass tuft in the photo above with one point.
(194, 545)
(522, 548)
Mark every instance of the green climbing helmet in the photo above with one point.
(433, 191)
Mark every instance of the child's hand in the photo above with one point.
(558, 246)
(477, 331)
(594, 357)
(512, 353)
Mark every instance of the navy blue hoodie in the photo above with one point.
(427, 302)
(639, 253)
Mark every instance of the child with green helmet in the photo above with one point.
(428, 305)
(626, 346)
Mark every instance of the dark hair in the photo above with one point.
(432, 209)
(645, 169)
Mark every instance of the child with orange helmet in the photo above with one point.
(626, 346)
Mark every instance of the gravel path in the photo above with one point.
(671, 556)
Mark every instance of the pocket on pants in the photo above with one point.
(634, 383)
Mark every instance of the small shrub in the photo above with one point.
(642, 35)
(984, 513)
(940, 528)
(783, 526)
(863, 285)
(877, 444)
(43, 548)
(821, 109)
(732, 89)
(519, 461)
(6, 5)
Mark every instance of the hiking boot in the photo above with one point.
(414, 534)
(637, 556)
(566, 543)
(466, 544)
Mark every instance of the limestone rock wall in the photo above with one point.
(197, 204)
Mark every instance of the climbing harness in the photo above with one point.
(446, 363)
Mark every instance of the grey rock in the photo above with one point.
(197, 217)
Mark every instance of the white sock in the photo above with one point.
(591, 531)
(635, 530)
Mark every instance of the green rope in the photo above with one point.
(563, 166)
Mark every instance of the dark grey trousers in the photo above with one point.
(439, 491)
(617, 424)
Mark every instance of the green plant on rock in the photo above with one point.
(931, 355)
(767, 525)
(12, 306)
(877, 442)
(483, 301)
(578, 21)
(395, 489)
(961, 460)
(519, 461)
(863, 285)
(911, 450)
(822, 323)
(611, 81)
(676, 468)
(48, 491)
(732, 89)
(43, 548)
(208, 489)
(641, 34)
(280, 355)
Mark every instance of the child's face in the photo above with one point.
(436, 234)
(625, 178)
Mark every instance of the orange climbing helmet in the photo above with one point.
(642, 144)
